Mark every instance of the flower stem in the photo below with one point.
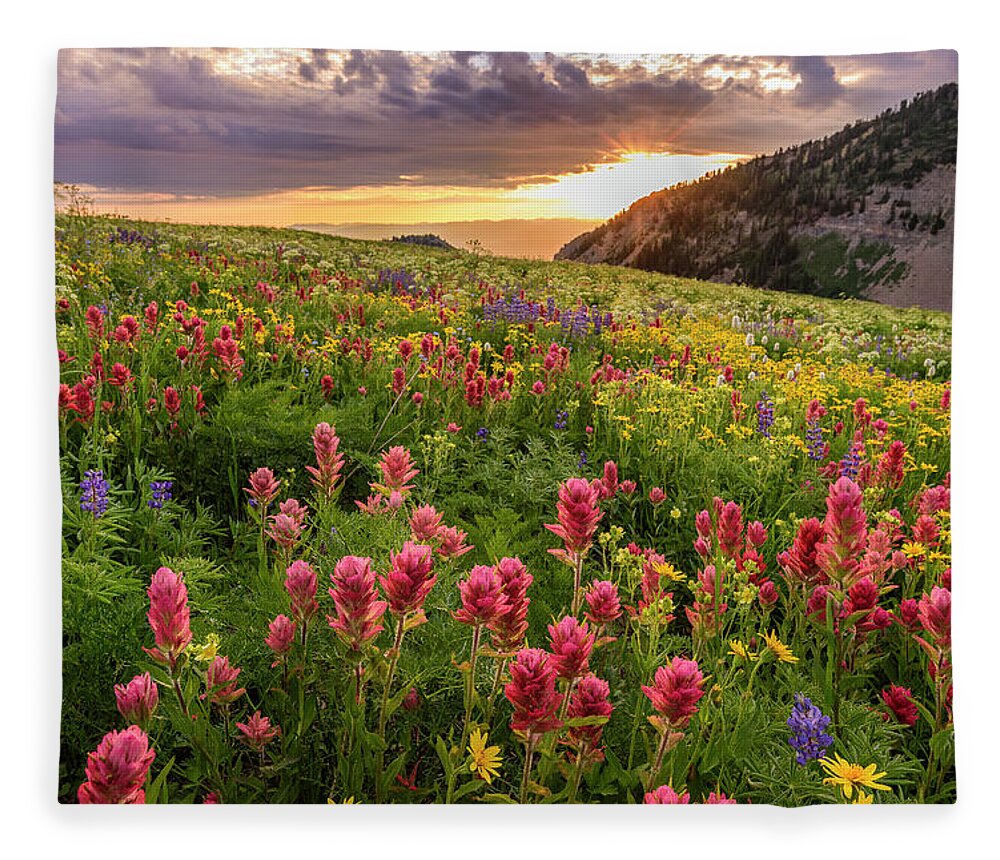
(383, 714)
(577, 772)
(658, 762)
(470, 691)
(501, 663)
(529, 751)
(577, 576)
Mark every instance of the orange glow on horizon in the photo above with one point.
(595, 194)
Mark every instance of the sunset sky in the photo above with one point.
(279, 137)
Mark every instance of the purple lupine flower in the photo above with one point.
(850, 464)
(161, 491)
(94, 493)
(809, 740)
(562, 420)
(482, 433)
(765, 415)
(814, 440)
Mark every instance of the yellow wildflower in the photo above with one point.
(911, 549)
(851, 776)
(779, 649)
(205, 653)
(485, 760)
(738, 649)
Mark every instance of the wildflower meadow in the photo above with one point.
(371, 522)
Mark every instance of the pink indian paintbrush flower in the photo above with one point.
(676, 691)
(284, 531)
(258, 732)
(703, 525)
(926, 531)
(220, 680)
(532, 692)
(591, 698)
(767, 594)
(756, 534)
(665, 794)
(483, 598)
(935, 499)
(95, 322)
(329, 461)
(578, 515)
(899, 700)
(409, 579)
(397, 469)
(452, 543)
(714, 798)
(846, 534)
(294, 510)
(171, 401)
(137, 700)
(607, 486)
(169, 617)
(425, 525)
(908, 614)
(117, 769)
(657, 496)
(799, 563)
(300, 583)
(510, 628)
(603, 603)
(570, 644)
(816, 604)
(280, 636)
(815, 411)
(730, 529)
(263, 486)
(934, 611)
(889, 472)
(355, 597)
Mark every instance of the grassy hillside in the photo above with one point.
(349, 486)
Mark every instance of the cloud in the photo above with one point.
(818, 85)
(236, 122)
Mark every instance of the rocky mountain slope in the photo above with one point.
(866, 212)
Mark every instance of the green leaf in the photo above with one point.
(467, 788)
(441, 746)
(943, 746)
(159, 784)
(498, 798)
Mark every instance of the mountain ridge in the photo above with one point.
(866, 212)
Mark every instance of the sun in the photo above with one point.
(605, 189)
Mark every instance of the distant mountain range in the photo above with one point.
(534, 238)
(866, 212)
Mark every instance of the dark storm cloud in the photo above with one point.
(194, 122)
(819, 85)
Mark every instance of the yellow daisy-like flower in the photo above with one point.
(675, 513)
(668, 571)
(863, 798)
(911, 549)
(205, 652)
(738, 649)
(779, 649)
(485, 760)
(851, 776)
